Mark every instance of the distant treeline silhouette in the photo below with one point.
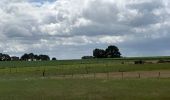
(111, 51)
(25, 57)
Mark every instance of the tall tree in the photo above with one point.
(25, 57)
(4, 57)
(44, 57)
(31, 56)
(54, 58)
(112, 52)
(99, 53)
(37, 57)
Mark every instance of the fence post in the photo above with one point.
(159, 75)
(139, 75)
(107, 66)
(16, 70)
(10, 70)
(44, 73)
(86, 70)
(107, 75)
(122, 75)
(72, 74)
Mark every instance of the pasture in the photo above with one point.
(95, 79)
(86, 89)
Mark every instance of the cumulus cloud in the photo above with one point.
(72, 28)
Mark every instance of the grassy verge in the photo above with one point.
(86, 89)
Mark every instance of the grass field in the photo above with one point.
(63, 80)
(86, 89)
(53, 68)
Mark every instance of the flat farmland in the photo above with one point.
(96, 79)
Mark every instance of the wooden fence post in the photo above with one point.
(72, 74)
(107, 66)
(44, 73)
(122, 75)
(16, 70)
(107, 75)
(86, 70)
(10, 70)
(139, 75)
(159, 75)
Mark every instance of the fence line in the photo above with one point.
(86, 74)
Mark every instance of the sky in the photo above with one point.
(70, 29)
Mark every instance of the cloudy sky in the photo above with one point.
(69, 29)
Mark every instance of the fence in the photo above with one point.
(117, 75)
(86, 74)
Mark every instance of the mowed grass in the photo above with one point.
(85, 89)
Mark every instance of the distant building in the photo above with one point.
(14, 58)
(32, 60)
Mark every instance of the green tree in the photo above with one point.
(112, 52)
(99, 53)
(25, 57)
(54, 58)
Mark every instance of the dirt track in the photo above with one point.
(121, 75)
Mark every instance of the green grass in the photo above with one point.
(79, 69)
(86, 89)
(4, 64)
(23, 80)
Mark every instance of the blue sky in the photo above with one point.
(69, 29)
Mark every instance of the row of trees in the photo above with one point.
(34, 57)
(25, 57)
(110, 52)
(4, 57)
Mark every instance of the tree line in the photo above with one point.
(25, 57)
(111, 51)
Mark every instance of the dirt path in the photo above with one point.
(121, 75)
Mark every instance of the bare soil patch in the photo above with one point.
(120, 75)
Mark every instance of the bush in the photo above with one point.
(54, 58)
(139, 62)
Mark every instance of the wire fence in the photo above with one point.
(15, 72)
(117, 75)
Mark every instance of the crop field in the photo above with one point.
(93, 79)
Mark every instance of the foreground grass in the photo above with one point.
(86, 89)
